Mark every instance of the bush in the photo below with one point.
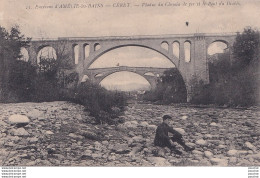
(104, 105)
(170, 89)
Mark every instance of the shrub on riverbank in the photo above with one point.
(170, 89)
(104, 105)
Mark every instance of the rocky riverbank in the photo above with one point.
(62, 134)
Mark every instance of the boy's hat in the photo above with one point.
(166, 116)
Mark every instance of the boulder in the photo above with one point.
(213, 124)
(158, 161)
(232, 152)
(184, 117)
(250, 146)
(180, 130)
(138, 139)
(196, 152)
(32, 140)
(35, 113)
(20, 132)
(208, 154)
(49, 132)
(121, 148)
(18, 119)
(144, 124)
(219, 162)
(201, 142)
(153, 127)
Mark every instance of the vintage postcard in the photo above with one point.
(164, 83)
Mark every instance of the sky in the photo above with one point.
(126, 21)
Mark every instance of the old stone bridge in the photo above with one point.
(149, 73)
(91, 48)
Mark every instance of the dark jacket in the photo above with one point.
(162, 138)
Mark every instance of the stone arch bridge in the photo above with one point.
(91, 48)
(149, 73)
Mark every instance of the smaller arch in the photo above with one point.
(24, 54)
(176, 49)
(97, 46)
(127, 80)
(76, 53)
(220, 40)
(165, 45)
(187, 51)
(217, 46)
(86, 50)
(149, 74)
(46, 53)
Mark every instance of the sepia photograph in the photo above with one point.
(168, 83)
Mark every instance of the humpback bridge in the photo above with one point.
(91, 48)
(151, 74)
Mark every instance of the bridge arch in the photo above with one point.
(187, 51)
(176, 48)
(24, 54)
(227, 40)
(46, 51)
(92, 59)
(150, 79)
(216, 47)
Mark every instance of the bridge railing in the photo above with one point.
(136, 36)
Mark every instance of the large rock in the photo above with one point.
(250, 146)
(208, 154)
(20, 132)
(219, 162)
(32, 140)
(184, 117)
(35, 113)
(213, 124)
(131, 124)
(18, 119)
(232, 152)
(152, 127)
(201, 142)
(138, 139)
(144, 124)
(180, 130)
(158, 161)
(48, 132)
(121, 149)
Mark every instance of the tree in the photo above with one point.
(10, 46)
(170, 88)
(246, 47)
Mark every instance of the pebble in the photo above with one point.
(184, 117)
(208, 154)
(48, 132)
(213, 124)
